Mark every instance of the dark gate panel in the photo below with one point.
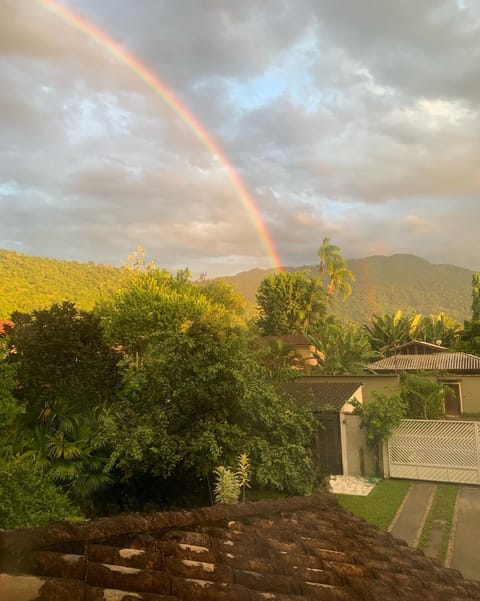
(328, 444)
(452, 399)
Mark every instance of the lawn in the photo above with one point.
(380, 506)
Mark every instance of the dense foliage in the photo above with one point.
(290, 303)
(182, 393)
(380, 416)
(469, 338)
(27, 498)
(141, 399)
(343, 348)
(66, 384)
(194, 394)
(424, 398)
(30, 498)
(30, 283)
(382, 286)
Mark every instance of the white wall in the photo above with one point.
(358, 459)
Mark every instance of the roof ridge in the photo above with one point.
(26, 539)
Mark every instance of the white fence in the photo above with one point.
(445, 451)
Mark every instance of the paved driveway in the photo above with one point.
(464, 552)
(466, 536)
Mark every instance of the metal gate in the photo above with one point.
(329, 444)
(445, 451)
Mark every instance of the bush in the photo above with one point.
(424, 398)
(380, 417)
(28, 498)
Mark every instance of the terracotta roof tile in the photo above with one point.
(289, 549)
(5, 324)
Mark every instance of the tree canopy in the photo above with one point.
(193, 392)
(290, 303)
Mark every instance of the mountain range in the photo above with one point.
(386, 284)
(382, 285)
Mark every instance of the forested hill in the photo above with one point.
(28, 283)
(383, 285)
(386, 284)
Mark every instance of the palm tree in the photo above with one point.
(387, 331)
(343, 348)
(439, 329)
(70, 446)
(313, 307)
(333, 263)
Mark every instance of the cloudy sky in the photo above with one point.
(356, 120)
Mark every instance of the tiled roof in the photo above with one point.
(334, 394)
(453, 362)
(284, 550)
(4, 323)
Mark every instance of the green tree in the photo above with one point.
(195, 400)
(438, 329)
(380, 416)
(476, 297)
(221, 293)
(29, 498)
(60, 354)
(336, 268)
(9, 407)
(156, 302)
(290, 303)
(342, 348)
(469, 337)
(278, 357)
(194, 392)
(424, 398)
(387, 331)
(67, 382)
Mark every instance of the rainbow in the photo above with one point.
(86, 27)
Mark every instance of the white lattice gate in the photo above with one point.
(446, 451)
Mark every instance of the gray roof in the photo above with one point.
(452, 362)
(323, 394)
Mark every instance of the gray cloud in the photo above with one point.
(354, 120)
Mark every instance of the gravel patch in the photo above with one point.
(350, 485)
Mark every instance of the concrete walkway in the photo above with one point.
(410, 519)
(465, 537)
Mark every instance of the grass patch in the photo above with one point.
(439, 520)
(471, 415)
(380, 506)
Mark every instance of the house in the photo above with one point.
(460, 372)
(296, 549)
(4, 325)
(416, 347)
(303, 352)
(340, 444)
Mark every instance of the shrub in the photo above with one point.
(29, 498)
